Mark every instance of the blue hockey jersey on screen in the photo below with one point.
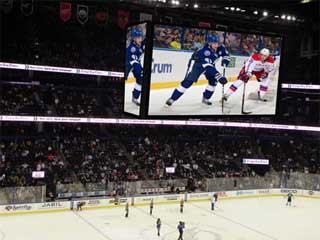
(134, 53)
(208, 57)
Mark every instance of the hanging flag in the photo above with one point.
(145, 17)
(82, 13)
(123, 18)
(65, 11)
(102, 15)
(204, 24)
(6, 6)
(26, 7)
(167, 19)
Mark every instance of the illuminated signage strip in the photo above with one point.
(300, 86)
(256, 161)
(38, 174)
(13, 118)
(44, 68)
(60, 69)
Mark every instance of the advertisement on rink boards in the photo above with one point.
(145, 200)
(200, 72)
(134, 67)
(98, 202)
(159, 199)
(34, 207)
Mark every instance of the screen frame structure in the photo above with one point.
(146, 66)
(212, 116)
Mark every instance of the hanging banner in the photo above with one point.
(82, 13)
(102, 15)
(26, 7)
(65, 11)
(204, 24)
(145, 17)
(123, 18)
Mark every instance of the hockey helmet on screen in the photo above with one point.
(136, 33)
(265, 52)
(213, 39)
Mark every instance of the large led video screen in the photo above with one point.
(205, 72)
(134, 58)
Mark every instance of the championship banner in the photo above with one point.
(26, 7)
(65, 11)
(123, 18)
(204, 24)
(102, 15)
(82, 13)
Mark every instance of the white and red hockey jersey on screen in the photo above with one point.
(254, 64)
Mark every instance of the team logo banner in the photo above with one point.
(123, 18)
(204, 24)
(82, 13)
(102, 15)
(26, 7)
(65, 11)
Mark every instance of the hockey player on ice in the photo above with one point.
(260, 65)
(133, 56)
(289, 199)
(203, 61)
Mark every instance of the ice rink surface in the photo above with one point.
(242, 219)
(129, 106)
(190, 102)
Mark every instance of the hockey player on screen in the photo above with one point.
(203, 61)
(260, 65)
(133, 57)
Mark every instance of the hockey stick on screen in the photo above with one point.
(243, 96)
(222, 101)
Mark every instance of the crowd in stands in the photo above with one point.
(71, 153)
(81, 153)
(72, 97)
(60, 100)
(250, 44)
(167, 37)
(193, 39)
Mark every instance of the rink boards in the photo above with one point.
(96, 203)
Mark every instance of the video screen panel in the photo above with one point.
(205, 72)
(134, 57)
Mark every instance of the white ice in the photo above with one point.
(129, 106)
(190, 102)
(242, 219)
